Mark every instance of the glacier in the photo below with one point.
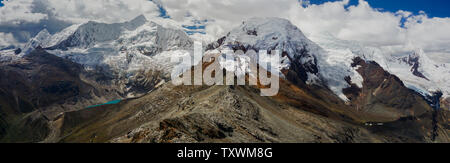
(120, 48)
(435, 77)
(124, 49)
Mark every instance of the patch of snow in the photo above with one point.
(269, 34)
(341, 52)
(40, 39)
(8, 56)
(122, 48)
(57, 38)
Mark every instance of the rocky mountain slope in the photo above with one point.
(79, 73)
(40, 86)
(125, 51)
(381, 109)
(326, 94)
(239, 114)
(414, 69)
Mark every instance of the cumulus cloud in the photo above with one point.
(19, 11)
(399, 31)
(431, 34)
(25, 18)
(6, 39)
(76, 11)
(360, 23)
(109, 11)
(226, 14)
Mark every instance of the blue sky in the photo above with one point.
(434, 8)
(361, 24)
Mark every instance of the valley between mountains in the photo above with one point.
(53, 89)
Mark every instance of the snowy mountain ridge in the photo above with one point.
(417, 71)
(316, 65)
(122, 48)
(424, 75)
(329, 61)
(134, 55)
(126, 48)
(272, 34)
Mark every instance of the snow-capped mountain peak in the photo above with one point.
(142, 44)
(121, 48)
(136, 22)
(417, 71)
(41, 39)
(421, 73)
(90, 33)
(270, 34)
(297, 52)
(330, 64)
(267, 33)
(417, 60)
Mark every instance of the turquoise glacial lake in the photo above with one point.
(108, 103)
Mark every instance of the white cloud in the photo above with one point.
(360, 22)
(109, 11)
(18, 11)
(376, 28)
(75, 11)
(24, 18)
(431, 33)
(227, 14)
(6, 39)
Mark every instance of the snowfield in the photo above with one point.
(120, 48)
(139, 44)
(437, 76)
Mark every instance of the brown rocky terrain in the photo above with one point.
(173, 114)
(44, 98)
(299, 113)
(384, 96)
(38, 87)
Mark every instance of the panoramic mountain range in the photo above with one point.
(98, 82)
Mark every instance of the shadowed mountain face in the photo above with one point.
(385, 99)
(239, 114)
(37, 88)
(413, 61)
(235, 114)
(384, 96)
(211, 114)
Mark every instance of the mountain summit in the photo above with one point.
(329, 92)
(298, 53)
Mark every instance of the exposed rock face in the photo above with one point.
(446, 104)
(421, 74)
(208, 114)
(298, 53)
(401, 111)
(173, 114)
(48, 97)
(383, 95)
(40, 86)
(234, 114)
(301, 112)
(413, 61)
